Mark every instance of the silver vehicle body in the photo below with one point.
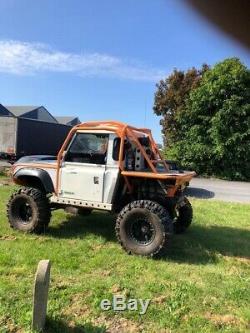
(80, 184)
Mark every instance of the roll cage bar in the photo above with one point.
(123, 131)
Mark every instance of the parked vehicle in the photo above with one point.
(107, 166)
(22, 136)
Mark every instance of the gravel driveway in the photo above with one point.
(219, 189)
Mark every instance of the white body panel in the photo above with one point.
(52, 173)
(110, 180)
(82, 181)
(42, 164)
(83, 184)
(90, 182)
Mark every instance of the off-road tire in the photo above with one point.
(153, 214)
(184, 217)
(39, 210)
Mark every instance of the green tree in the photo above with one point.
(170, 100)
(215, 123)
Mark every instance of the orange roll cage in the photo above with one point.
(126, 131)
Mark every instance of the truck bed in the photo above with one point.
(180, 178)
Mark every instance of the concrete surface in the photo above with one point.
(40, 297)
(219, 190)
(4, 164)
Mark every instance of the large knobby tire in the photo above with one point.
(184, 216)
(144, 227)
(28, 210)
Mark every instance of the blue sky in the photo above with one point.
(101, 59)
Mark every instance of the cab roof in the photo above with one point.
(116, 126)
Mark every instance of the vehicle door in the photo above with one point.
(83, 168)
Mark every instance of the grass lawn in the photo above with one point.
(202, 285)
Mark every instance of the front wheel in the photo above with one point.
(28, 210)
(144, 227)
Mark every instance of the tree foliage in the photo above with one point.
(170, 100)
(209, 130)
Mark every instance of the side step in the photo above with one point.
(80, 203)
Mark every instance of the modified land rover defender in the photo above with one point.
(107, 166)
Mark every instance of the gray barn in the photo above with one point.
(71, 121)
(30, 130)
(30, 112)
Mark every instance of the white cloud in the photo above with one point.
(24, 58)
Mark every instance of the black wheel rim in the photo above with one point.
(142, 231)
(23, 211)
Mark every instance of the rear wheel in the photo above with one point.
(184, 216)
(144, 227)
(28, 210)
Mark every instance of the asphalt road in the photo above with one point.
(219, 190)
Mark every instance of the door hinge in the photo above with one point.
(96, 180)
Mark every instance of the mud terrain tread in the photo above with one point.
(154, 208)
(41, 204)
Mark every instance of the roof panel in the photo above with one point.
(18, 110)
(65, 119)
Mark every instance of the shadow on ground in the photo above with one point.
(61, 326)
(198, 245)
(196, 192)
(205, 244)
(98, 223)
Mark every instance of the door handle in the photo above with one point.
(96, 180)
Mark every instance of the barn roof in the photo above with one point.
(19, 110)
(65, 120)
(68, 120)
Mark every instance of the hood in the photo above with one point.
(37, 158)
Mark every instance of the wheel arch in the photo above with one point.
(34, 177)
